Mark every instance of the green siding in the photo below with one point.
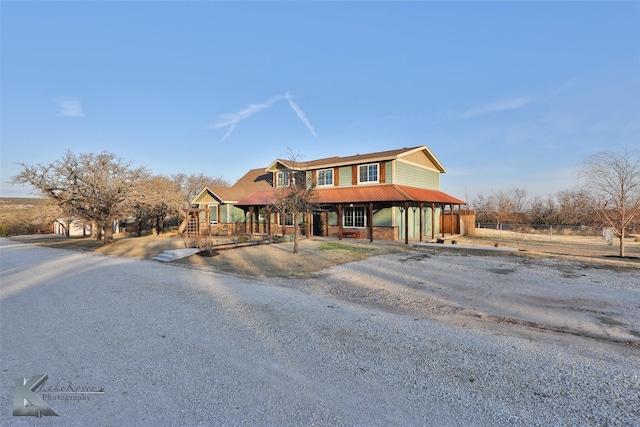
(383, 217)
(414, 222)
(236, 215)
(332, 218)
(344, 174)
(416, 176)
(388, 170)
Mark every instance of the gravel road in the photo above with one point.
(127, 342)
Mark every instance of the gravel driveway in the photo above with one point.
(128, 342)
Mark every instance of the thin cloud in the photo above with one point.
(301, 115)
(231, 120)
(498, 105)
(70, 108)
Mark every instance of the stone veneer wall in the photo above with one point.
(379, 233)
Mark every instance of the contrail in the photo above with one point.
(300, 114)
(226, 135)
(232, 119)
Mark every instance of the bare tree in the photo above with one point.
(91, 186)
(574, 208)
(190, 185)
(544, 211)
(295, 195)
(612, 180)
(483, 207)
(508, 206)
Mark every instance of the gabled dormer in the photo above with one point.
(284, 173)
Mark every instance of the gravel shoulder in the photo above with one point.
(407, 337)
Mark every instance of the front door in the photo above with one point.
(317, 224)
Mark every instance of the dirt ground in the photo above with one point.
(315, 254)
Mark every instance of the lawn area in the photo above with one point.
(272, 260)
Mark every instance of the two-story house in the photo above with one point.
(390, 195)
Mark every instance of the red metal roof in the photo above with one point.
(362, 194)
(260, 198)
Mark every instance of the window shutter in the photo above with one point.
(382, 173)
(354, 175)
(314, 178)
(336, 176)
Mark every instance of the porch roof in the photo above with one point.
(362, 194)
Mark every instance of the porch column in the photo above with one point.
(444, 217)
(433, 221)
(250, 219)
(325, 221)
(451, 219)
(406, 223)
(340, 221)
(451, 230)
(268, 220)
(421, 205)
(370, 221)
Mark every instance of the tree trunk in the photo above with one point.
(295, 232)
(159, 224)
(622, 243)
(108, 232)
(96, 230)
(139, 226)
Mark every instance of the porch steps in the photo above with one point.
(175, 254)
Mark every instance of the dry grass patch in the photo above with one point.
(277, 260)
(144, 247)
(273, 260)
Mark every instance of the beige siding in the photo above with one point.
(416, 176)
(420, 158)
(206, 198)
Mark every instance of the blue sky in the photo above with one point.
(506, 94)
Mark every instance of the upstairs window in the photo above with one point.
(325, 177)
(368, 173)
(282, 179)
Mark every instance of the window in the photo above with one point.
(288, 220)
(325, 177)
(354, 217)
(282, 179)
(213, 216)
(368, 173)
